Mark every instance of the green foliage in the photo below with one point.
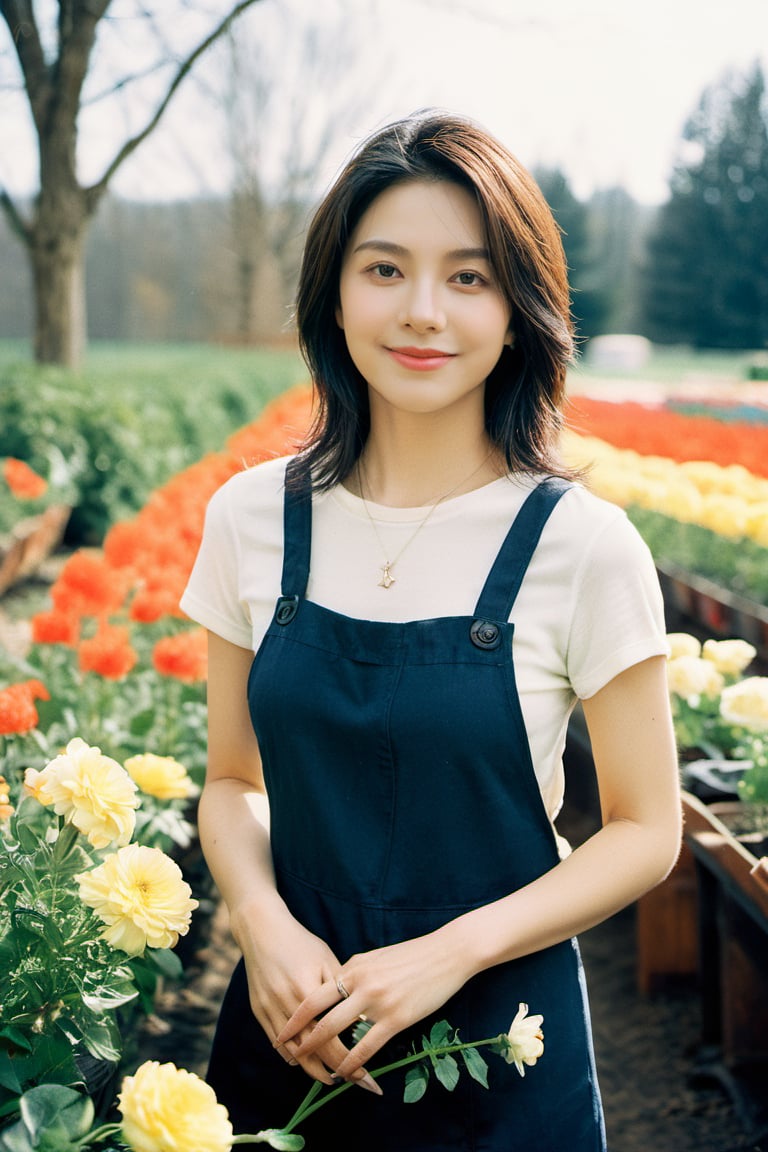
(129, 422)
(738, 565)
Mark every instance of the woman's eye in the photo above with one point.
(469, 279)
(385, 271)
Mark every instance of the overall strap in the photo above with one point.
(297, 529)
(509, 567)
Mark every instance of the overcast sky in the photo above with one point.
(599, 88)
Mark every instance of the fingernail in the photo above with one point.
(367, 1081)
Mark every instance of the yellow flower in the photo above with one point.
(525, 1040)
(691, 676)
(161, 776)
(729, 656)
(167, 1109)
(746, 703)
(682, 644)
(91, 791)
(140, 895)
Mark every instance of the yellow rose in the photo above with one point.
(161, 776)
(746, 703)
(167, 1109)
(525, 1040)
(683, 644)
(729, 656)
(91, 791)
(141, 896)
(693, 676)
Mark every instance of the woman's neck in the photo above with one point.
(411, 467)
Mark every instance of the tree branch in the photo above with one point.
(20, 18)
(95, 191)
(17, 222)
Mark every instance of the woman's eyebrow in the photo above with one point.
(392, 249)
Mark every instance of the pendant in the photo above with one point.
(387, 580)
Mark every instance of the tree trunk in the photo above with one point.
(59, 286)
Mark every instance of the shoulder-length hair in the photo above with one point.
(525, 391)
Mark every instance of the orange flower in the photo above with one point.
(108, 653)
(23, 481)
(123, 544)
(17, 707)
(55, 627)
(88, 586)
(183, 656)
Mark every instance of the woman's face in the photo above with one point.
(423, 317)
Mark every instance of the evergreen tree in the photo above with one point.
(589, 302)
(706, 273)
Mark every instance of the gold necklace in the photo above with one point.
(387, 579)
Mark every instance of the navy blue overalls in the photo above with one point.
(402, 794)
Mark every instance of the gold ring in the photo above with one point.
(342, 990)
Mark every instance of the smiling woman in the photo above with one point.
(408, 728)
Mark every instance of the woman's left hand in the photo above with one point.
(391, 988)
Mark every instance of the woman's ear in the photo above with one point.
(509, 339)
(339, 317)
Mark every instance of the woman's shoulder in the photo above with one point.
(257, 485)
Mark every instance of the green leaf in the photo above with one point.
(440, 1035)
(102, 1039)
(55, 1116)
(416, 1081)
(8, 1075)
(99, 996)
(446, 1070)
(475, 1065)
(167, 962)
(282, 1141)
(16, 1139)
(15, 1038)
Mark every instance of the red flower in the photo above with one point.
(88, 586)
(183, 656)
(17, 707)
(108, 653)
(56, 627)
(23, 481)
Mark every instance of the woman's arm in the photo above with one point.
(284, 962)
(635, 759)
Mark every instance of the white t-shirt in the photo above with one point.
(589, 607)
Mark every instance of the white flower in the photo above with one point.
(746, 703)
(729, 656)
(525, 1040)
(682, 644)
(691, 676)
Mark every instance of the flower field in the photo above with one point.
(695, 485)
(102, 753)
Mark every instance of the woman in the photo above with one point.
(427, 592)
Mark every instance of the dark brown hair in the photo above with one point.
(525, 390)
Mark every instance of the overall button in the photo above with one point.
(287, 607)
(485, 634)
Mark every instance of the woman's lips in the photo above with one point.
(420, 359)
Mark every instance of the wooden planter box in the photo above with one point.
(30, 544)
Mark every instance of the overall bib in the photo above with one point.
(402, 794)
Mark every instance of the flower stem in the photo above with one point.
(309, 1104)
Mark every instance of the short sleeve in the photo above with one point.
(618, 618)
(212, 596)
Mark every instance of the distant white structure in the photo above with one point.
(618, 351)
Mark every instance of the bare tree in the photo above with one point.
(283, 118)
(54, 63)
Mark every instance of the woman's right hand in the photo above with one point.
(284, 964)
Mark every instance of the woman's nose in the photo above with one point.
(422, 308)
